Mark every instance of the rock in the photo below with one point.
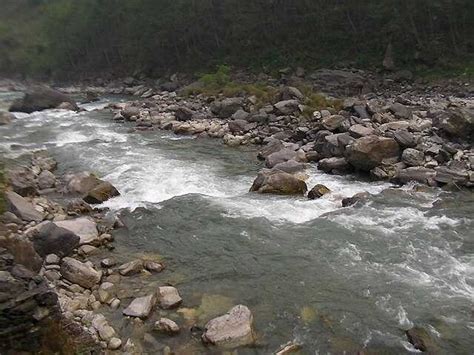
(22, 251)
(227, 107)
(51, 239)
(130, 111)
(101, 193)
(272, 147)
(82, 183)
(83, 227)
(22, 208)
(359, 130)
(290, 167)
(6, 118)
(333, 122)
(153, 266)
(338, 165)
(106, 292)
(368, 152)
(232, 329)
(100, 324)
(359, 197)
(46, 180)
(168, 297)
(280, 157)
(140, 307)
(79, 273)
(52, 259)
(38, 98)
(318, 191)
(184, 114)
(289, 348)
(446, 175)
(167, 326)
(287, 107)
(413, 157)
(237, 126)
(22, 181)
(290, 93)
(401, 111)
(420, 338)
(114, 344)
(405, 138)
(418, 174)
(67, 106)
(78, 206)
(108, 262)
(131, 268)
(240, 115)
(275, 182)
(457, 122)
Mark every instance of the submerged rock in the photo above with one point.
(168, 297)
(278, 182)
(131, 268)
(140, 307)
(167, 326)
(232, 329)
(39, 98)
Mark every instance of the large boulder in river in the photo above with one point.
(91, 187)
(39, 98)
(278, 182)
(51, 239)
(232, 329)
(101, 193)
(367, 152)
(80, 273)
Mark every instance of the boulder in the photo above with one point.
(404, 138)
(290, 93)
(140, 307)
(101, 193)
(276, 182)
(367, 152)
(100, 324)
(82, 183)
(131, 268)
(238, 126)
(168, 297)
(240, 115)
(290, 167)
(318, 191)
(456, 122)
(38, 98)
(46, 180)
(6, 118)
(167, 326)
(333, 122)
(401, 111)
(153, 266)
(359, 130)
(22, 208)
(227, 107)
(232, 329)
(418, 174)
(446, 175)
(421, 340)
(272, 147)
(287, 107)
(80, 273)
(22, 181)
(357, 198)
(183, 113)
(339, 165)
(413, 157)
(51, 239)
(130, 111)
(83, 227)
(279, 157)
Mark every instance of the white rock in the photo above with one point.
(167, 325)
(140, 307)
(84, 227)
(168, 297)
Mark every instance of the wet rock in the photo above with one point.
(153, 266)
(106, 292)
(318, 191)
(78, 206)
(420, 338)
(51, 239)
(413, 157)
(46, 180)
(359, 197)
(83, 227)
(232, 329)
(167, 326)
(105, 331)
(22, 208)
(227, 107)
(446, 175)
(275, 182)
(337, 165)
(67, 106)
(168, 297)
(82, 183)
(108, 262)
(333, 122)
(287, 107)
(38, 98)
(368, 152)
(80, 273)
(289, 348)
(131, 268)
(101, 193)
(6, 118)
(418, 174)
(279, 157)
(290, 167)
(140, 307)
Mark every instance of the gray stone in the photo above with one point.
(48, 238)
(227, 107)
(279, 157)
(368, 152)
(359, 130)
(275, 182)
(114, 344)
(140, 307)
(167, 326)
(330, 164)
(333, 122)
(83, 227)
(46, 180)
(413, 157)
(290, 166)
(131, 268)
(418, 174)
(287, 107)
(38, 98)
(168, 297)
(22, 208)
(232, 329)
(80, 273)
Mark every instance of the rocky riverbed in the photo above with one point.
(175, 256)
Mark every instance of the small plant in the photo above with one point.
(218, 79)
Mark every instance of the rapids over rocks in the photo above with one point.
(334, 279)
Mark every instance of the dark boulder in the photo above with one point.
(368, 152)
(51, 239)
(39, 98)
(101, 193)
(318, 191)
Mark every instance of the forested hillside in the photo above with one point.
(70, 36)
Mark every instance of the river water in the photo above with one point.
(334, 279)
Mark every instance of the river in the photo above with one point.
(334, 279)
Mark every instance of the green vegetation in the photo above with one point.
(71, 38)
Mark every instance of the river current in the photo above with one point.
(333, 279)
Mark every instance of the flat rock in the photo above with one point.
(168, 297)
(83, 227)
(140, 307)
(131, 268)
(48, 238)
(367, 152)
(79, 273)
(232, 329)
(22, 208)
